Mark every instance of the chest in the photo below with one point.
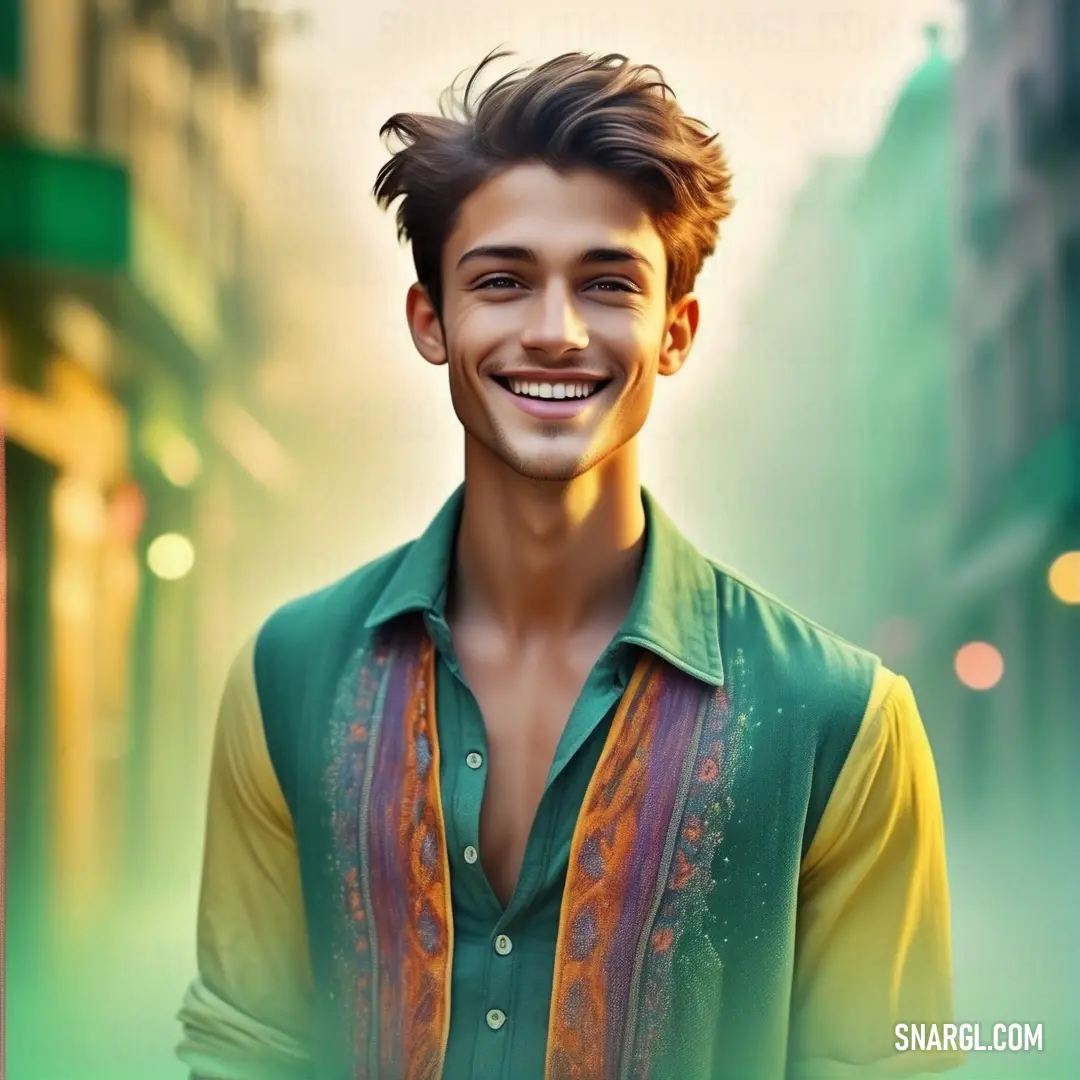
(661, 864)
(525, 703)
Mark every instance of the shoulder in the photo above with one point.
(791, 649)
(314, 622)
(302, 649)
(811, 689)
(300, 653)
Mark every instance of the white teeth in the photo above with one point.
(558, 391)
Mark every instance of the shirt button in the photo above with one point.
(474, 760)
(495, 1019)
(503, 945)
(471, 854)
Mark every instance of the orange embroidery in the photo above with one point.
(684, 871)
(637, 877)
(692, 830)
(663, 939)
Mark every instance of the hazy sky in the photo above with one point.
(782, 81)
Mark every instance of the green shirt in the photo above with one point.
(503, 959)
(249, 1015)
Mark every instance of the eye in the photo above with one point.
(500, 281)
(613, 285)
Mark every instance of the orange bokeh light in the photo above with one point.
(979, 665)
(1065, 577)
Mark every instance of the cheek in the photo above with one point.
(464, 399)
(640, 355)
(468, 342)
(477, 331)
(634, 335)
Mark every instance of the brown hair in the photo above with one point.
(576, 111)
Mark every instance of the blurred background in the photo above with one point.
(210, 404)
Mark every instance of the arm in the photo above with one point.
(247, 1016)
(872, 932)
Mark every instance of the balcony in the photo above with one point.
(63, 211)
(70, 219)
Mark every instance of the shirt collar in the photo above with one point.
(419, 582)
(674, 613)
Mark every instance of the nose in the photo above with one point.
(554, 325)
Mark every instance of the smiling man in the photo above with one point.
(546, 794)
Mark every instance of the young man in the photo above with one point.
(545, 794)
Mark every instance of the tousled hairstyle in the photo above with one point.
(577, 111)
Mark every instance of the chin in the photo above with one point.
(547, 465)
(553, 457)
(551, 474)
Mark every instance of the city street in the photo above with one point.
(1015, 944)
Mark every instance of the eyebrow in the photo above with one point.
(513, 253)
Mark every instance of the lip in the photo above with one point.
(550, 408)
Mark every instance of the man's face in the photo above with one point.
(555, 319)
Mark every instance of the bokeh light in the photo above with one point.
(171, 556)
(174, 453)
(127, 512)
(979, 665)
(1065, 577)
(181, 462)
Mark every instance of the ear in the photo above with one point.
(424, 325)
(679, 336)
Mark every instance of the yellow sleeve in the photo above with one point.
(872, 933)
(247, 1016)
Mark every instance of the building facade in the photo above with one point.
(901, 304)
(835, 414)
(136, 286)
(1016, 390)
(784, 420)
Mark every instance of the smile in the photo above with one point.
(552, 391)
(551, 399)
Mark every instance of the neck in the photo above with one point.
(544, 558)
